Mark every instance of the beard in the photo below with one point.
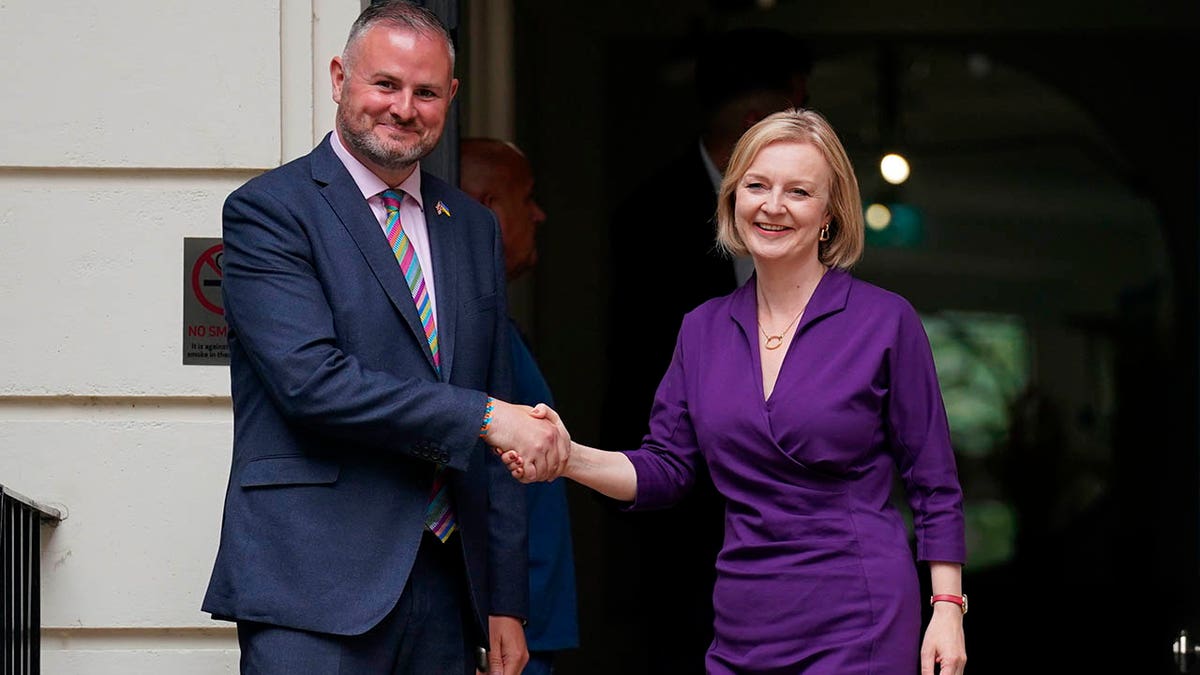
(387, 155)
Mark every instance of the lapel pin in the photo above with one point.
(441, 209)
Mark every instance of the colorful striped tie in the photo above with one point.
(439, 515)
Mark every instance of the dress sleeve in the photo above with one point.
(920, 441)
(666, 463)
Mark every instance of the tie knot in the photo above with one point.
(391, 199)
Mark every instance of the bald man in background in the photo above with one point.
(498, 175)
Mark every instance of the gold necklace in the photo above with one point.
(775, 341)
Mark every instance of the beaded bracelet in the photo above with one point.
(487, 417)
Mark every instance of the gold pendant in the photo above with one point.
(774, 341)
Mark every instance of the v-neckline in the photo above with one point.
(756, 348)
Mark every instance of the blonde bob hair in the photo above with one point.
(845, 244)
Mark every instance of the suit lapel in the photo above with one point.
(347, 202)
(443, 244)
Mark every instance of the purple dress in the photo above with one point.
(815, 574)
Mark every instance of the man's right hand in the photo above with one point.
(541, 442)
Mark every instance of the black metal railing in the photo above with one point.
(20, 580)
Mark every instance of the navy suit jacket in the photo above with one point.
(340, 416)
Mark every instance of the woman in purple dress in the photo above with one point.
(804, 392)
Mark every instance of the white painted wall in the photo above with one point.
(124, 126)
(141, 83)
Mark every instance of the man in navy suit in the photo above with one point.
(368, 529)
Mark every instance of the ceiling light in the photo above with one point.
(894, 168)
(878, 217)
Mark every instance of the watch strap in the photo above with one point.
(960, 600)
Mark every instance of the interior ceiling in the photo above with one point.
(989, 142)
(964, 17)
(1012, 176)
(969, 116)
(948, 101)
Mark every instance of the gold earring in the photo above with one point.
(823, 235)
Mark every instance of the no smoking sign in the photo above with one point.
(206, 279)
(204, 329)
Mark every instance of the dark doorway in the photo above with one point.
(1044, 268)
(1056, 166)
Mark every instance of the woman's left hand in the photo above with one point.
(944, 642)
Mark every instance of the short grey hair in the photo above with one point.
(398, 14)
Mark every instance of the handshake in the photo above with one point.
(532, 442)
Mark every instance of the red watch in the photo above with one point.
(960, 600)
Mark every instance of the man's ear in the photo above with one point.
(337, 77)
